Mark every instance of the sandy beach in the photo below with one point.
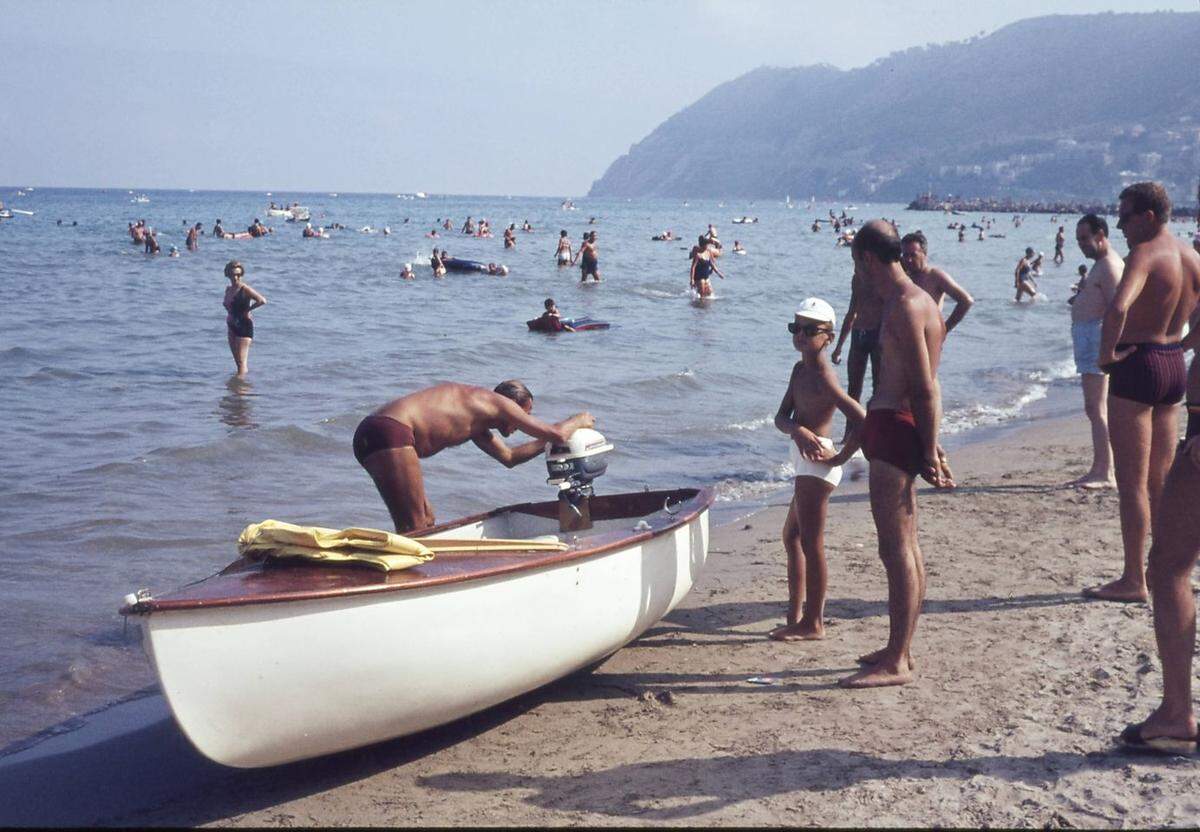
(1021, 687)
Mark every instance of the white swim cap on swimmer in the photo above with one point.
(815, 309)
(407, 266)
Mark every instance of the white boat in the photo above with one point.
(264, 664)
(140, 198)
(5, 214)
(298, 213)
(19, 211)
(278, 212)
(420, 195)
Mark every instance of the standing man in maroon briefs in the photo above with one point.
(1171, 728)
(391, 442)
(1140, 351)
(900, 439)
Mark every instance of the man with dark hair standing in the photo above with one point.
(900, 438)
(914, 249)
(1096, 290)
(1140, 351)
(1060, 239)
(391, 441)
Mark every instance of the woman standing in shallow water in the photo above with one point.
(240, 301)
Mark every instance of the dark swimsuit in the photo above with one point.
(1152, 374)
(239, 322)
(588, 262)
(381, 433)
(891, 436)
(867, 341)
(703, 269)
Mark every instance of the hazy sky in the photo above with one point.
(530, 98)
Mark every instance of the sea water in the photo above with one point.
(132, 459)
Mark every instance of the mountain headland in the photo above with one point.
(1063, 107)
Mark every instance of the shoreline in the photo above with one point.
(668, 730)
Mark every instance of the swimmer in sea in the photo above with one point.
(737, 247)
(551, 319)
(407, 272)
(435, 260)
(589, 258)
(703, 265)
(240, 300)
(562, 254)
(433, 234)
(805, 415)
(1023, 277)
(510, 236)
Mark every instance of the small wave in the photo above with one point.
(1055, 372)
(752, 485)
(753, 424)
(981, 415)
(54, 374)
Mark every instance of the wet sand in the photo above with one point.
(1021, 687)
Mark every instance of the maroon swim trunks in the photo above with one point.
(1151, 374)
(891, 436)
(380, 433)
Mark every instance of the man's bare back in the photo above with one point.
(390, 442)
(449, 414)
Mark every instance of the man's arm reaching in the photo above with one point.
(961, 297)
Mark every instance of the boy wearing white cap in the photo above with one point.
(806, 416)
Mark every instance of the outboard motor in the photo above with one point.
(572, 468)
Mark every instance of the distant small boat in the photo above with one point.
(298, 213)
(140, 198)
(5, 214)
(420, 195)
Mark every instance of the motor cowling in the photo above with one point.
(582, 459)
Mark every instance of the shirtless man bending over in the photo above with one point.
(391, 441)
(1140, 351)
(900, 440)
(913, 257)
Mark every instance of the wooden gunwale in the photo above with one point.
(245, 582)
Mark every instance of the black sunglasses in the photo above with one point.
(811, 330)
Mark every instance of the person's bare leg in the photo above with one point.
(919, 562)
(1164, 436)
(795, 569)
(1095, 393)
(1130, 428)
(893, 506)
(397, 475)
(856, 372)
(239, 348)
(1172, 559)
(809, 505)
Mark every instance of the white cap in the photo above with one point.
(815, 309)
(407, 266)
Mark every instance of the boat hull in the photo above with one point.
(264, 684)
